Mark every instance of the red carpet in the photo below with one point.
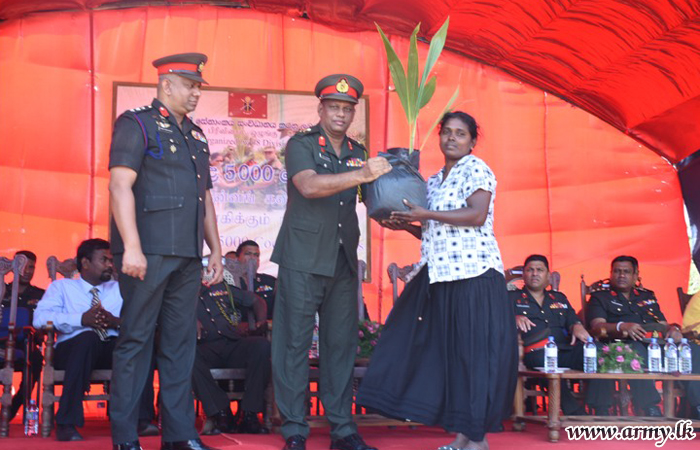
(96, 434)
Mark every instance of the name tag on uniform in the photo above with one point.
(615, 303)
(164, 126)
(355, 162)
(199, 136)
(324, 157)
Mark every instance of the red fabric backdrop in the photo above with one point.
(570, 186)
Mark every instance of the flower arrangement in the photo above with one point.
(618, 357)
(369, 332)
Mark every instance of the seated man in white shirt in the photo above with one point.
(85, 312)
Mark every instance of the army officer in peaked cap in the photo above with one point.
(316, 250)
(162, 211)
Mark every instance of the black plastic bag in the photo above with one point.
(386, 193)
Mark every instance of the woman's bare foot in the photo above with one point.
(480, 445)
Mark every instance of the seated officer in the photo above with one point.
(628, 312)
(28, 298)
(265, 285)
(224, 341)
(85, 312)
(540, 313)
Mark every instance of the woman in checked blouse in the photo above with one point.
(448, 352)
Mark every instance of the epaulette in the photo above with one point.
(304, 132)
(643, 289)
(141, 109)
(354, 142)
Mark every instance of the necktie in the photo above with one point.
(96, 302)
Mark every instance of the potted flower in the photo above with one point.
(368, 333)
(618, 357)
(387, 193)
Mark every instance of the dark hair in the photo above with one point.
(28, 254)
(625, 258)
(246, 244)
(87, 248)
(537, 258)
(466, 119)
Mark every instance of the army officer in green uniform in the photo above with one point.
(316, 250)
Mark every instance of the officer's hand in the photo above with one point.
(375, 168)
(134, 264)
(92, 318)
(415, 213)
(580, 333)
(634, 330)
(215, 271)
(523, 324)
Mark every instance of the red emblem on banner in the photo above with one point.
(253, 106)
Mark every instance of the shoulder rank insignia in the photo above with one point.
(141, 108)
(199, 136)
(355, 162)
(164, 111)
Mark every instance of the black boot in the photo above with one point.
(251, 425)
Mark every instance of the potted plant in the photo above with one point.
(387, 193)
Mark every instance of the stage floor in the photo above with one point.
(96, 434)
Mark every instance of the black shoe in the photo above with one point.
(134, 445)
(221, 422)
(352, 442)
(192, 444)
(251, 425)
(653, 411)
(296, 442)
(67, 433)
(146, 428)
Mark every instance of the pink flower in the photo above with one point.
(601, 360)
(374, 343)
(358, 350)
(620, 358)
(635, 364)
(362, 334)
(606, 349)
(619, 349)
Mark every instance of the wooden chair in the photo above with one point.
(52, 376)
(683, 299)
(15, 265)
(397, 273)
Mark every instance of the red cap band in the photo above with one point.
(168, 68)
(333, 90)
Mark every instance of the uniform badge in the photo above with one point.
(163, 124)
(322, 141)
(199, 136)
(355, 162)
(173, 148)
(350, 145)
(324, 157)
(342, 86)
(200, 67)
(163, 111)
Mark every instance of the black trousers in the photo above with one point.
(250, 353)
(572, 358)
(79, 356)
(167, 296)
(36, 361)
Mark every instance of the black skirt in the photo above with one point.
(448, 356)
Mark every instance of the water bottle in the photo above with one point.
(590, 356)
(31, 422)
(551, 356)
(654, 356)
(670, 356)
(313, 351)
(686, 358)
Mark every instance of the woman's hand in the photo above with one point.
(415, 213)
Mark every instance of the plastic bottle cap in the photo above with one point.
(684, 340)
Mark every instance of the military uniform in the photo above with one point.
(172, 164)
(219, 310)
(555, 318)
(265, 286)
(642, 308)
(316, 250)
